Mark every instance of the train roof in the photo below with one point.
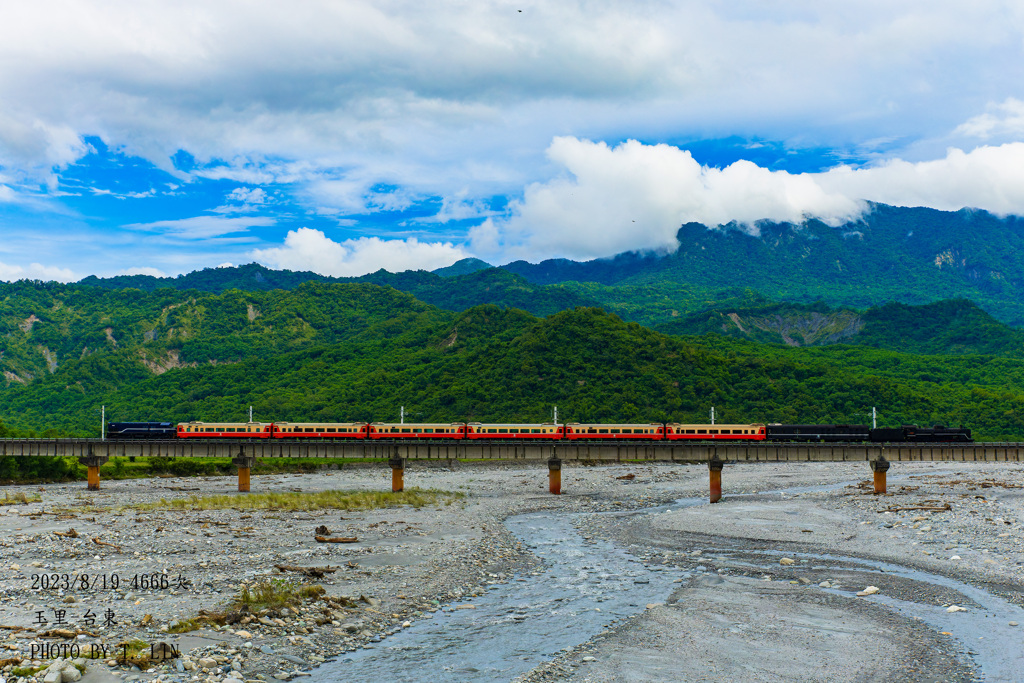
(613, 424)
(717, 425)
(417, 424)
(321, 424)
(512, 424)
(225, 424)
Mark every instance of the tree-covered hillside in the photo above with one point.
(912, 256)
(905, 255)
(360, 351)
(943, 327)
(455, 289)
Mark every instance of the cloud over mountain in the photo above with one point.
(634, 196)
(306, 249)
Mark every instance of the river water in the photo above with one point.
(590, 583)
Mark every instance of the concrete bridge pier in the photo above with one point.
(244, 463)
(93, 462)
(555, 475)
(880, 467)
(715, 471)
(397, 473)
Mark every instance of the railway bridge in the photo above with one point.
(397, 453)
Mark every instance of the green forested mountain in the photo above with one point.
(456, 289)
(801, 323)
(359, 351)
(906, 255)
(913, 256)
(943, 327)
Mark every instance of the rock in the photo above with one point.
(406, 624)
(787, 561)
(282, 675)
(70, 673)
(870, 590)
(465, 607)
(294, 660)
(1014, 623)
(956, 608)
(53, 677)
(955, 557)
(804, 580)
(589, 659)
(244, 634)
(161, 651)
(207, 662)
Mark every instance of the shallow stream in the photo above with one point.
(518, 625)
(589, 583)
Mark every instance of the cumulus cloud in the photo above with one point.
(307, 249)
(35, 271)
(202, 227)
(635, 196)
(990, 178)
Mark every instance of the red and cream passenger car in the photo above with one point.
(578, 431)
(545, 430)
(225, 430)
(416, 430)
(752, 432)
(320, 430)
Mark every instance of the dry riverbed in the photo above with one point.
(767, 583)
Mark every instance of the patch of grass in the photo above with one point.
(296, 501)
(136, 653)
(276, 594)
(26, 671)
(21, 499)
(268, 597)
(186, 625)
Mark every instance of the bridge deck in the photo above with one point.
(513, 451)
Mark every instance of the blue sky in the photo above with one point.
(343, 137)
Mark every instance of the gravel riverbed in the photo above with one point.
(767, 585)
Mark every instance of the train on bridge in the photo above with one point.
(571, 431)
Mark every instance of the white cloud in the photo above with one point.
(248, 195)
(144, 270)
(202, 227)
(1005, 120)
(424, 95)
(307, 249)
(35, 271)
(459, 208)
(635, 196)
(990, 178)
